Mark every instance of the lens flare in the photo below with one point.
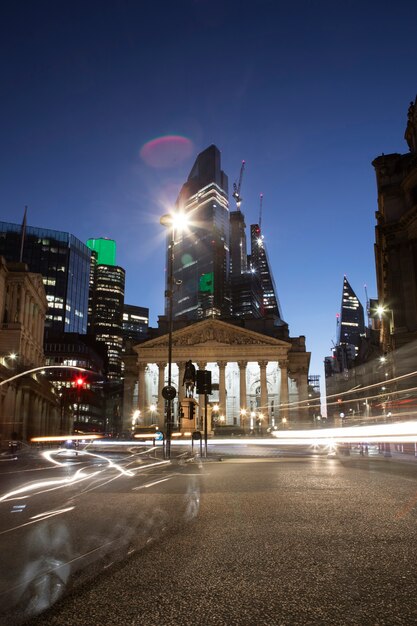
(166, 152)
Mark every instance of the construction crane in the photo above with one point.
(368, 308)
(237, 186)
(261, 197)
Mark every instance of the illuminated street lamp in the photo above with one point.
(135, 418)
(152, 409)
(243, 413)
(172, 221)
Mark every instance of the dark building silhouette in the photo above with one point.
(259, 263)
(396, 241)
(135, 323)
(245, 282)
(64, 263)
(351, 326)
(81, 405)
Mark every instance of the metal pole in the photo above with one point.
(169, 294)
(205, 425)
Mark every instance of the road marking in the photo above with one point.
(155, 482)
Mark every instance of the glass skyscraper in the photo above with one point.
(64, 262)
(351, 322)
(106, 302)
(201, 253)
(260, 264)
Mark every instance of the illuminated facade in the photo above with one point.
(259, 263)
(107, 290)
(28, 405)
(64, 263)
(351, 324)
(256, 375)
(201, 252)
(105, 250)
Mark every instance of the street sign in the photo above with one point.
(169, 392)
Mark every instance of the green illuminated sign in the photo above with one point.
(106, 250)
(206, 283)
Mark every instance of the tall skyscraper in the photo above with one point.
(259, 262)
(201, 253)
(246, 287)
(64, 263)
(106, 302)
(351, 322)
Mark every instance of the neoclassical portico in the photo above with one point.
(253, 375)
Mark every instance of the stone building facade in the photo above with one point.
(253, 374)
(396, 244)
(28, 405)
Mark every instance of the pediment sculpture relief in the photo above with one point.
(217, 335)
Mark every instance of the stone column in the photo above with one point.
(161, 383)
(141, 390)
(181, 370)
(41, 324)
(22, 307)
(242, 392)
(242, 384)
(222, 388)
(283, 396)
(264, 394)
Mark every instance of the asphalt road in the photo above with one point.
(277, 541)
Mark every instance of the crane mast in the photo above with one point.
(237, 186)
(261, 197)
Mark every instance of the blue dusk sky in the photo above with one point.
(307, 93)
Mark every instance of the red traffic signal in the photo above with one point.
(79, 381)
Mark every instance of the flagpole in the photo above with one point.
(22, 236)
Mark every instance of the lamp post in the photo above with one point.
(168, 221)
(172, 222)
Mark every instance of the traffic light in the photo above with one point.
(79, 382)
(203, 380)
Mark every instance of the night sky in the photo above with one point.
(307, 93)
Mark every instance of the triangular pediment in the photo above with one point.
(213, 332)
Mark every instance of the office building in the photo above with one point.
(259, 263)
(245, 282)
(201, 252)
(135, 323)
(64, 263)
(81, 394)
(106, 302)
(351, 322)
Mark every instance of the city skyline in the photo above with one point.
(303, 102)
